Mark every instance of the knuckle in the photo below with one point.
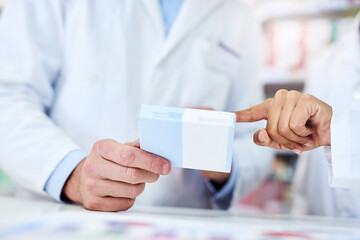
(131, 175)
(136, 190)
(307, 97)
(272, 131)
(127, 157)
(284, 130)
(98, 145)
(128, 203)
(281, 93)
(293, 94)
(154, 165)
(90, 186)
(87, 169)
(294, 125)
(153, 178)
(269, 102)
(156, 177)
(92, 204)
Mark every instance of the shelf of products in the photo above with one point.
(270, 11)
(2, 3)
(297, 32)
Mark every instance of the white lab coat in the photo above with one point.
(73, 72)
(335, 79)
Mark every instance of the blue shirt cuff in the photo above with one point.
(221, 199)
(58, 177)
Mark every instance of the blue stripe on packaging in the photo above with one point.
(160, 131)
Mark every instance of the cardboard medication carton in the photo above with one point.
(188, 138)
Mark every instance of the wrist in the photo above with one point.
(217, 179)
(71, 188)
(219, 183)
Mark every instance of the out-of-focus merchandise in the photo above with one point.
(297, 31)
(7, 187)
(2, 3)
(292, 44)
(274, 194)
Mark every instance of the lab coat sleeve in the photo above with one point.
(343, 156)
(58, 177)
(254, 162)
(221, 199)
(31, 144)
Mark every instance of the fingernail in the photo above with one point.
(165, 169)
(309, 144)
(297, 151)
(261, 137)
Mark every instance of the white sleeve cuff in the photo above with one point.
(339, 155)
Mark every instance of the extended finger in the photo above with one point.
(132, 157)
(255, 113)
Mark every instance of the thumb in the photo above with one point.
(261, 138)
(255, 113)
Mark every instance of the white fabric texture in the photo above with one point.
(73, 72)
(335, 79)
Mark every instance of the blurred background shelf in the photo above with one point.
(297, 32)
(271, 88)
(2, 3)
(7, 187)
(270, 11)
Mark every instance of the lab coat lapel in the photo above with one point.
(191, 14)
(154, 12)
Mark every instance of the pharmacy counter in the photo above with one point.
(29, 219)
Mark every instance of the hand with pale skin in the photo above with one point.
(113, 175)
(295, 122)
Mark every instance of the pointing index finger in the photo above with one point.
(255, 113)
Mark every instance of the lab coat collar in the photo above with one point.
(154, 12)
(191, 13)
